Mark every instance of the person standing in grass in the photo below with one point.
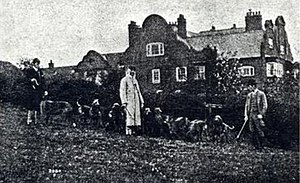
(36, 88)
(132, 100)
(255, 109)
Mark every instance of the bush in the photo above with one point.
(283, 112)
(13, 87)
(72, 89)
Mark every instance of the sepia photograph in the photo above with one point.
(128, 91)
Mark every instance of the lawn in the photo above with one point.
(60, 153)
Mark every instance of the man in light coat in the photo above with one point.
(132, 100)
(255, 109)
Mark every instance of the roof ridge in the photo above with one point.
(213, 33)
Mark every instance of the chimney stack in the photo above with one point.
(181, 26)
(134, 32)
(51, 64)
(253, 20)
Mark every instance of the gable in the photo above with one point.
(93, 60)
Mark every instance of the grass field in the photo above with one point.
(59, 153)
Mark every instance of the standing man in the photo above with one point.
(132, 100)
(36, 90)
(255, 109)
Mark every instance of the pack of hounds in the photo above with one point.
(154, 122)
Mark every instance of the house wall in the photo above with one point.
(259, 65)
(176, 54)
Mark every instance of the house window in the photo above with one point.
(199, 72)
(282, 50)
(274, 69)
(270, 41)
(296, 73)
(246, 71)
(181, 74)
(155, 76)
(155, 49)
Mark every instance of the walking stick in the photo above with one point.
(238, 136)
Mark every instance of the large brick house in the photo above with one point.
(166, 52)
(162, 55)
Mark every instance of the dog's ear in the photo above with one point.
(218, 118)
(77, 103)
(96, 102)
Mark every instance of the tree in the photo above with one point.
(225, 80)
(283, 111)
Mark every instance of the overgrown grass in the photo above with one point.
(59, 153)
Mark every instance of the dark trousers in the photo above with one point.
(256, 130)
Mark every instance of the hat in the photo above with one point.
(36, 60)
(132, 68)
(252, 82)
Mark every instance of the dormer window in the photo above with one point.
(155, 49)
(270, 41)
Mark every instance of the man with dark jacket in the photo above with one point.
(255, 109)
(36, 87)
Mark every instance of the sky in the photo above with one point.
(65, 30)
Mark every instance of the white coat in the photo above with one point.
(130, 94)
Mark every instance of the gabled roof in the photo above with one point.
(247, 44)
(93, 60)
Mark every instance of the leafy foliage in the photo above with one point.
(71, 89)
(12, 83)
(283, 111)
(225, 80)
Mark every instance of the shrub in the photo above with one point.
(283, 112)
(72, 89)
(12, 84)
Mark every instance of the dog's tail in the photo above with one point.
(227, 126)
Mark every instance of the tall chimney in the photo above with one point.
(51, 64)
(253, 21)
(181, 26)
(134, 32)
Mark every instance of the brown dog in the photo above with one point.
(90, 115)
(117, 119)
(219, 129)
(49, 108)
